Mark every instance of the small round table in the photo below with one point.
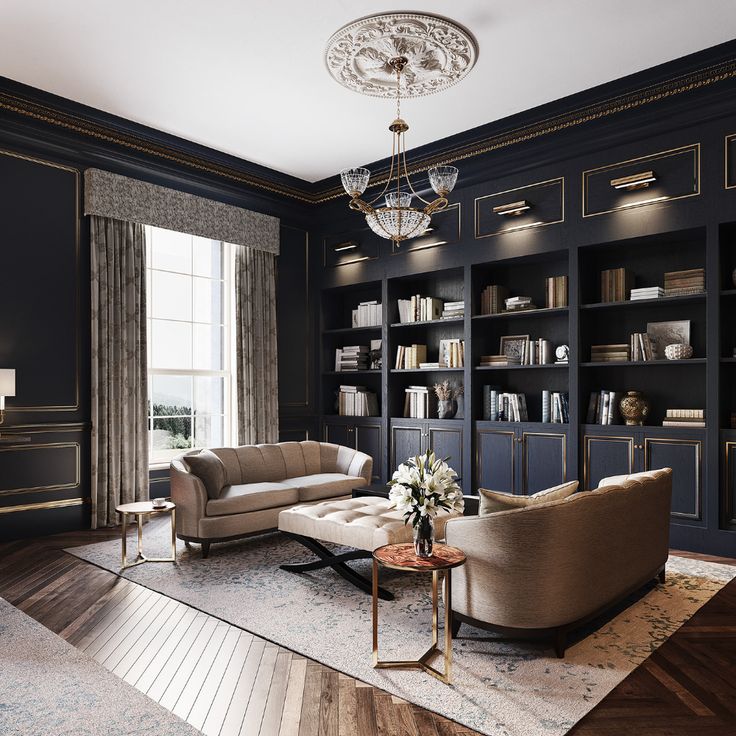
(140, 510)
(402, 557)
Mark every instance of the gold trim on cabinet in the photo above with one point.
(725, 162)
(393, 440)
(11, 408)
(479, 454)
(43, 446)
(588, 439)
(397, 251)
(730, 506)
(698, 444)
(531, 225)
(525, 464)
(458, 430)
(43, 505)
(376, 461)
(694, 147)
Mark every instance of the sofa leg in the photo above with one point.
(188, 545)
(662, 576)
(205, 550)
(456, 624)
(560, 643)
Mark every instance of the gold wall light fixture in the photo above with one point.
(348, 245)
(634, 181)
(513, 209)
(7, 388)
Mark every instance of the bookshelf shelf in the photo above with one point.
(427, 370)
(350, 330)
(661, 301)
(519, 367)
(542, 312)
(728, 360)
(366, 372)
(430, 322)
(728, 292)
(640, 363)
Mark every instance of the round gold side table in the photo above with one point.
(402, 557)
(139, 511)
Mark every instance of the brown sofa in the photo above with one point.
(545, 569)
(260, 482)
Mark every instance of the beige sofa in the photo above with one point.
(261, 481)
(547, 568)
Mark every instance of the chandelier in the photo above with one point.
(396, 219)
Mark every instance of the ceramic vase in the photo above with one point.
(424, 536)
(634, 408)
(446, 409)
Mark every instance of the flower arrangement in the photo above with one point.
(446, 391)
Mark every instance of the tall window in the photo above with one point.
(189, 343)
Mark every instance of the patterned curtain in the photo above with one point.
(119, 376)
(257, 367)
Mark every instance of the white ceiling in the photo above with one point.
(248, 78)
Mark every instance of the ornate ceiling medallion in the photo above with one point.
(439, 53)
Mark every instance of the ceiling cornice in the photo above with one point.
(48, 109)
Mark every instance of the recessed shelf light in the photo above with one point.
(512, 209)
(634, 181)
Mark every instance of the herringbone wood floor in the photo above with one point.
(227, 681)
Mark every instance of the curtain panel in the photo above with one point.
(119, 369)
(256, 356)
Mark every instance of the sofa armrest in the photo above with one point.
(189, 495)
(361, 465)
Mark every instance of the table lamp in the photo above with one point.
(7, 388)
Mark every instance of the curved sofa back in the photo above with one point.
(554, 563)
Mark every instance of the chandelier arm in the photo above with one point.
(390, 171)
(406, 174)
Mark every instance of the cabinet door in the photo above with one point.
(605, 455)
(495, 466)
(368, 440)
(729, 480)
(684, 457)
(339, 434)
(406, 442)
(543, 460)
(447, 442)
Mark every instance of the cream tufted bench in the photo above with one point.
(362, 523)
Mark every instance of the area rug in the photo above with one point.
(500, 689)
(49, 687)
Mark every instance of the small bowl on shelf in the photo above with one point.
(678, 351)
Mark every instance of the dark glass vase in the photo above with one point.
(424, 536)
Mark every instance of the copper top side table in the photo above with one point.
(402, 557)
(139, 511)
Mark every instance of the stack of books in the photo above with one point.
(351, 358)
(500, 406)
(419, 402)
(684, 283)
(616, 284)
(453, 310)
(430, 366)
(603, 407)
(684, 418)
(642, 347)
(492, 299)
(408, 357)
(647, 292)
(519, 304)
(356, 401)
(610, 353)
(368, 314)
(556, 291)
(498, 361)
(555, 407)
(420, 309)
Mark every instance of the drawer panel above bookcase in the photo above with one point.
(350, 247)
(659, 177)
(444, 229)
(537, 205)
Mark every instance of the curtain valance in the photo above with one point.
(131, 200)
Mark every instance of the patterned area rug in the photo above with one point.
(49, 687)
(500, 689)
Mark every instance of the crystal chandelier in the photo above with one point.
(397, 220)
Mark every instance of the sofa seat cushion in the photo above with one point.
(324, 485)
(493, 501)
(240, 499)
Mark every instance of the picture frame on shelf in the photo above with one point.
(444, 353)
(668, 333)
(515, 346)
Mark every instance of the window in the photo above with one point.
(189, 343)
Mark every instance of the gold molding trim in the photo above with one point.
(531, 226)
(694, 147)
(376, 461)
(43, 505)
(479, 454)
(45, 428)
(414, 428)
(397, 251)
(525, 453)
(698, 446)
(726, 141)
(589, 439)
(12, 408)
(45, 446)
(645, 95)
(458, 430)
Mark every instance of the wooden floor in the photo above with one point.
(226, 681)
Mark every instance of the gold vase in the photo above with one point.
(634, 408)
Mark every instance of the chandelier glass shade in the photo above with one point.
(397, 219)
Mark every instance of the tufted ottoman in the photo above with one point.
(361, 523)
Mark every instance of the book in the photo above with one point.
(367, 314)
(616, 284)
(492, 299)
(603, 408)
(556, 291)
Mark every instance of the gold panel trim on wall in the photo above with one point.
(698, 445)
(397, 250)
(693, 147)
(11, 408)
(479, 454)
(44, 505)
(44, 446)
(726, 141)
(553, 435)
(522, 228)
(587, 442)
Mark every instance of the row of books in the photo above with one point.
(368, 314)
(642, 347)
(684, 418)
(356, 401)
(410, 357)
(426, 308)
(492, 299)
(532, 352)
(420, 402)
(603, 407)
(555, 407)
(502, 406)
(556, 291)
(616, 284)
(352, 358)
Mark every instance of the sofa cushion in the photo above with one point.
(293, 459)
(240, 499)
(626, 481)
(492, 501)
(324, 485)
(210, 470)
(311, 452)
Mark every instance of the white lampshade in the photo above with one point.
(7, 381)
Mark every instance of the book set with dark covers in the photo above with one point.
(603, 407)
(503, 406)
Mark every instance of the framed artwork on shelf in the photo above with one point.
(515, 346)
(668, 333)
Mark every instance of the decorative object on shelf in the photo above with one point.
(678, 351)
(513, 209)
(460, 401)
(668, 333)
(446, 394)
(634, 181)
(422, 487)
(562, 353)
(375, 56)
(7, 388)
(515, 348)
(375, 355)
(452, 353)
(634, 408)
